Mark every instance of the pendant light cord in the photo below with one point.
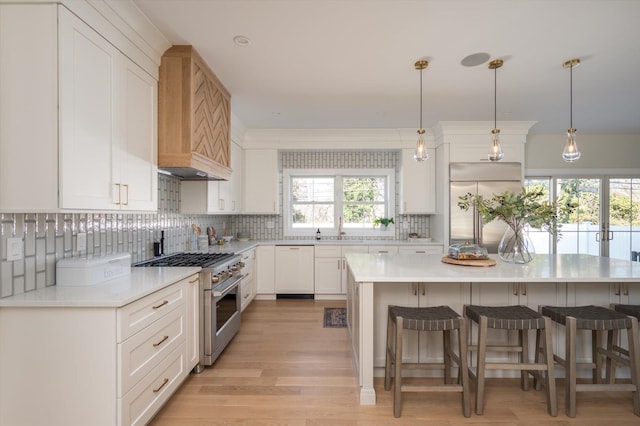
(495, 98)
(571, 96)
(420, 98)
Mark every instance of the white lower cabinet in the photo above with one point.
(140, 404)
(294, 270)
(248, 285)
(193, 322)
(266, 270)
(96, 365)
(331, 268)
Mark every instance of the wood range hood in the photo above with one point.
(194, 118)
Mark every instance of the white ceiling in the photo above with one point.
(350, 63)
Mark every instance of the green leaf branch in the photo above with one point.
(519, 209)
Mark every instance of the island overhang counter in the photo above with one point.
(418, 272)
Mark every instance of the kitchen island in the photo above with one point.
(376, 280)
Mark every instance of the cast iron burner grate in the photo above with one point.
(188, 259)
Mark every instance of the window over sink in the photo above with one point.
(319, 198)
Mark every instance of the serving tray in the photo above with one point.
(469, 262)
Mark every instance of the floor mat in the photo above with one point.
(335, 317)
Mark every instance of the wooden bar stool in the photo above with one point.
(598, 320)
(521, 319)
(437, 318)
(617, 353)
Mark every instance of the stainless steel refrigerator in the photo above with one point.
(485, 179)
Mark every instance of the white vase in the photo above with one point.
(516, 246)
(383, 227)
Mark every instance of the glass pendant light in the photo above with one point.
(421, 153)
(495, 154)
(571, 152)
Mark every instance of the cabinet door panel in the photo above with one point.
(418, 187)
(140, 138)
(88, 76)
(328, 275)
(261, 181)
(294, 270)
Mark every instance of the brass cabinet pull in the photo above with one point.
(161, 386)
(414, 288)
(524, 289)
(127, 198)
(626, 289)
(515, 289)
(421, 252)
(424, 288)
(338, 264)
(161, 305)
(617, 289)
(383, 251)
(155, 345)
(119, 201)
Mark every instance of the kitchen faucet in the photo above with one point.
(340, 233)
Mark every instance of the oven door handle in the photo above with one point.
(217, 293)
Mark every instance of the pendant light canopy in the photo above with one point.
(421, 153)
(495, 154)
(571, 152)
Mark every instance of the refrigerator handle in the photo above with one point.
(475, 225)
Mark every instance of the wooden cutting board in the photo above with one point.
(469, 262)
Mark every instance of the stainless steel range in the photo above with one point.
(220, 313)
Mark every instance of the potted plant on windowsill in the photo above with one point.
(383, 222)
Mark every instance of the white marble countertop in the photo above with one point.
(110, 294)
(368, 267)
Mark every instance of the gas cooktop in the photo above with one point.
(204, 260)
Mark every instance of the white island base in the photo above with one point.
(377, 280)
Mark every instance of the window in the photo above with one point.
(606, 220)
(319, 199)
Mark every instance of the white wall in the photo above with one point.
(599, 152)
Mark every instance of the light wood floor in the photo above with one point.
(284, 368)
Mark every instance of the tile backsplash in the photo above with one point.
(49, 237)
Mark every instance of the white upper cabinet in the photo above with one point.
(261, 181)
(108, 133)
(418, 184)
(100, 145)
(231, 190)
(208, 197)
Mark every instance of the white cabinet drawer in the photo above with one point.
(421, 249)
(383, 249)
(137, 315)
(139, 354)
(328, 251)
(355, 249)
(147, 397)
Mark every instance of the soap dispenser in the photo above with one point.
(318, 235)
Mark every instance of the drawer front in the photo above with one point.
(355, 249)
(383, 249)
(139, 354)
(137, 315)
(421, 249)
(328, 251)
(139, 405)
